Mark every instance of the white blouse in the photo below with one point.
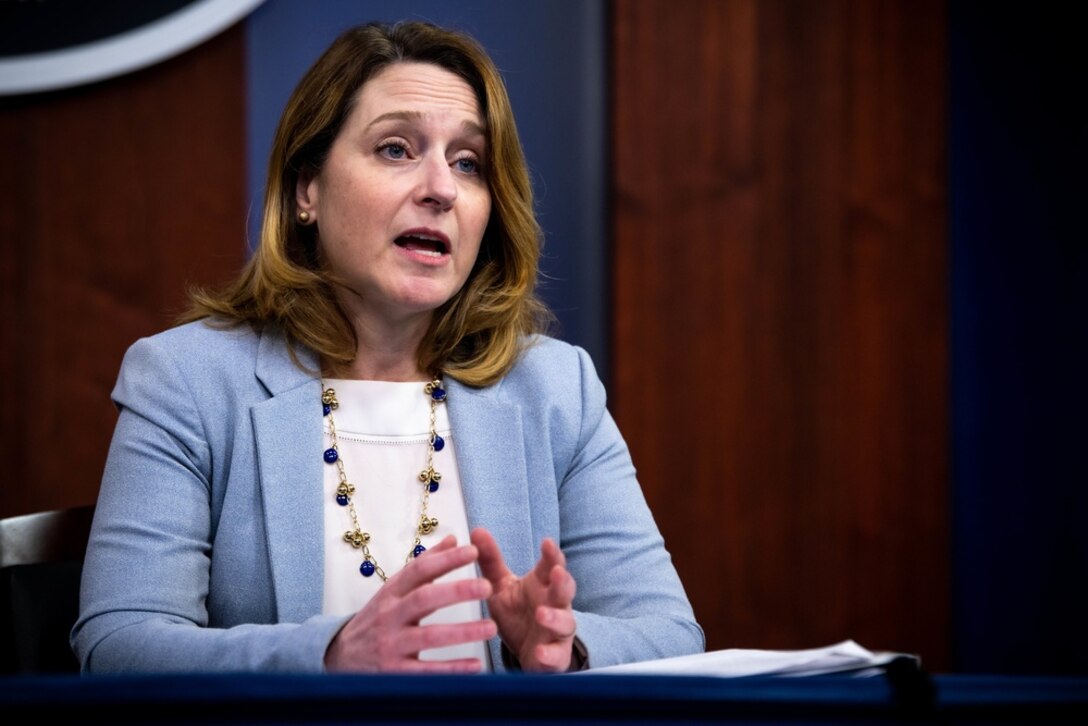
(383, 430)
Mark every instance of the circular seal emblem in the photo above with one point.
(51, 44)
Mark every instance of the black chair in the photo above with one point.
(41, 560)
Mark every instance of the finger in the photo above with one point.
(555, 656)
(441, 559)
(558, 623)
(430, 597)
(550, 556)
(550, 550)
(561, 588)
(446, 543)
(459, 665)
(428, 637)
(492, 565)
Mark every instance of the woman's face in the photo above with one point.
(401, 202)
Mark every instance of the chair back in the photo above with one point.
(41, 561)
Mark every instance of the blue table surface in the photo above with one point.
(250, 698)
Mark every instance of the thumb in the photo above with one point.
(492, 565)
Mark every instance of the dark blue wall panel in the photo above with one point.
(552, 55)
(1019, 143)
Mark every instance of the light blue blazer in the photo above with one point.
(206, 552)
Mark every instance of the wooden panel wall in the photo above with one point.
(115, 197)
(780, 311)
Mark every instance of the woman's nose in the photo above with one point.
(438, 187)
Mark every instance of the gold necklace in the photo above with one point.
(345, 491)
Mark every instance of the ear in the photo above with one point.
(306, 191)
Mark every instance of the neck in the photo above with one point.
(388, 349)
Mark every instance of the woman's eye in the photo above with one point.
(467, 166)
(393, 151)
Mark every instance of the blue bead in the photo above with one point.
(331, 456)
(439, 394)
(325, 408)
(439, 443)
(433, 486)
(420, 549)
(342, 499)
(367, 568)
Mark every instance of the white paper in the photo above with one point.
(736, 662)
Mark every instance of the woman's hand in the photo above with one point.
(534, 613)
(386, 635)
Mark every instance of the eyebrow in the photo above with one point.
(470, 127)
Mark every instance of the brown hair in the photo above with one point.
(474, 337)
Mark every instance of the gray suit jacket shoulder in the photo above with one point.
(206, 551)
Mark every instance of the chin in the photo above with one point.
(427, 298)
(423, 303)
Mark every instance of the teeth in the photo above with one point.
(441, 247)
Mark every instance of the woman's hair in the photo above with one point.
(474, 337)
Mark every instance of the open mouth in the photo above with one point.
(424, 244)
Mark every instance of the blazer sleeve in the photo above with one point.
(630, 604)
(146, 574)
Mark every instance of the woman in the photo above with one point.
(238, 529)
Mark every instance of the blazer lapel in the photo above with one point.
(490, 448)
(287, 431)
